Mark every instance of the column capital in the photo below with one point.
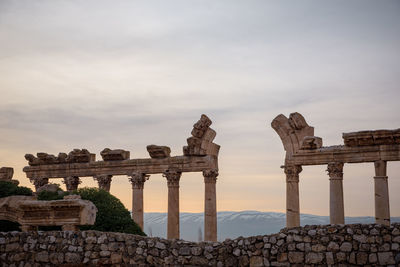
(292, 172)
(210, 176)
(39, 182)
(173, 177)
(335, 170)
(137, 179)
(72, 182)
(104, 181)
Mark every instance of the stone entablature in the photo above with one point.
(329, 245)
(30, 213)
(200, 155)
(303, 148)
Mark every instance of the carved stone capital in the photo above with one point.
(335, 170)
(72, 182)
(39, 182)
(173, 177)
(292, 173)
(104, 181)
(210, 176)
(137, 180)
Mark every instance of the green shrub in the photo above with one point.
(9, 189)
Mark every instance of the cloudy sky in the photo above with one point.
(125, 74)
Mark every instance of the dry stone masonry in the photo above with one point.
(303, 148)
(200, 155)
(338, 245)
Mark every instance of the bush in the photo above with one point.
(10, 189)
(112, 216)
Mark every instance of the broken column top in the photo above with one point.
(200, 144)
(372, 138)
(114, 154)
(75, 156)
(158, 152)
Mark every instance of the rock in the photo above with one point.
(72, 258)
(198, 261)
(114, 154)
(318, 248)
(116, 258)
(372, 258)
(42, 256)
(385, 258)
(329, 258)
(346, 247)
(196, 251)
(236, 252)
(312, 233)
(314, 258)
(360, 238)
(184, 251)
(256, 261)
(362, 258)
(105, 253)
(158, 152)
(332, 246)
(296, 257)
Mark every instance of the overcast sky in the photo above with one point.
(125, 74)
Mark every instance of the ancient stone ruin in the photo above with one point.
(6, 174)
(31, 213)
(200, 155)
(303, 148)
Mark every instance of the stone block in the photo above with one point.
(311, 142)
(114, 154)
(158, 152)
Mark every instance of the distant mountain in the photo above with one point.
(233, 224)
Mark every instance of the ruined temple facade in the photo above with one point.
(303, 149)
(200, 155)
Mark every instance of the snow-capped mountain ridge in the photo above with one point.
(232, 224)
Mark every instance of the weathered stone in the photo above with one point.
(311, 142)
(346, 247)
(372, 258)
(184, 251)
(72, 257)
(296, 257)
(362, 258)
(42, 256)
(333, 247)
(116, 258)
(114, 154)
(385, 258)
(329, 258)
(314, 258)
(256, 261)
(196, 251)
(158, 152)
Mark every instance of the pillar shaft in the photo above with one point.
(72, 182)
(382, 210)
(210, 205)
(292, 195)
(104, 181)
(173, 178)
(137, 179)
(336, 202)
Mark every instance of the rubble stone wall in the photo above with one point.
(310, 245)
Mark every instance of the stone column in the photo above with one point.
(292, 195)
(137, 179)
(210, 205)
(173, 203)
(336, 203)
(39, 182)
(104, 181)
(72, 182)
(382, 211)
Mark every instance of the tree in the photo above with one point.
(112, 216)
(10, 189)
